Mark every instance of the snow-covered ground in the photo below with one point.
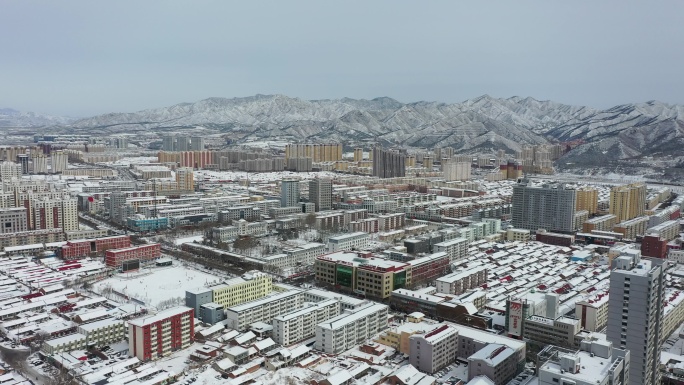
(155, 285)
(290, 375)
(134, 160)
(265, 144)
(180, 241)
(211, 175)
(176, 362)
(456, 370)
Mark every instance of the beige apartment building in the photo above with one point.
(587, 199)
(628, 202)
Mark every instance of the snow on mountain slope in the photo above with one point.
(14, 118)
(614, 120)
(479, 123)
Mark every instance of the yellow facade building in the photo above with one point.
(318, 152)
(398, 337)
(628, 202)
(185, 178)
(587, 199)
(252, 286)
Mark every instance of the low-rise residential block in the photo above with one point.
(350, 329)
(300, 324)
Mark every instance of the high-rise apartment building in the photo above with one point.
(635, 313)
(320, 193)
(628, 201)
(318, 152)
(23, 160)
(182, 143)
(185, 179)
(53, 214)
(388, 164)
(437, 152)
(289, 192)
(358, 154)
(194, 159)
(13, 220)
(587, 199)
(59, 161)
(445, 152)
(10, 153)
(511, 170)
(196, 143)
(549, 207)
(168, 143)
(28, 199)
(159, 335)
(300, 164)
(428, 162)
(456, 170)
(40, 164)
(119, 142)
(116, 206)
(9, 171)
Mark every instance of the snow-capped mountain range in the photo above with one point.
(482, 123)
(14, 118)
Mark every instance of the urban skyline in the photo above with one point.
(308, 193)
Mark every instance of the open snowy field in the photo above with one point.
(273, 176)
(154, 285)
(180, 241)
(134, 160)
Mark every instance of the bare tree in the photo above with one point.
(310, 219)
(64, 378)
(38, 340)
(169, 303)
(244, 243)
(15, 359)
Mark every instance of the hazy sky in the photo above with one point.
(81, 58)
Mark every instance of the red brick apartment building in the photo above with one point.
(159, 335)
(144, 253)
(84, 247)
(654, 246)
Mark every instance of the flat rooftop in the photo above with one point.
(356, 260)
(307, 308)
(348, 236)
(333, 295)
(264, 300)
(593, 368)
(461, 274)
(162, 315)
(346, 318)
(420, 297)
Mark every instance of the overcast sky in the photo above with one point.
(82, 58)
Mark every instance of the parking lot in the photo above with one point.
(453, 373)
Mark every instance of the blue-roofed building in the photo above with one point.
(147, 224)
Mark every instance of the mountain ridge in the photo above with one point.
(10, 117)
(481, 123)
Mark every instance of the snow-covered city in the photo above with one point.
(341, 193)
